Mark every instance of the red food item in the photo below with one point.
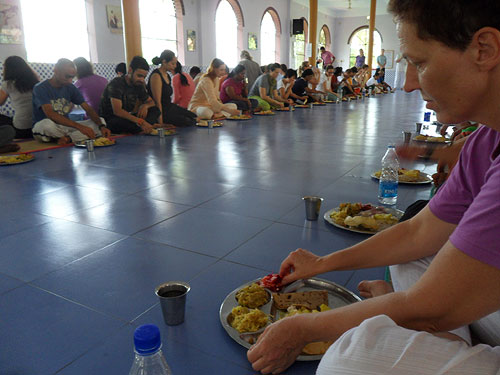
(271, 282)
(366, 207)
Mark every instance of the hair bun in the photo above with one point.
(156, 60)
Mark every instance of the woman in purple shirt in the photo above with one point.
(360, 59)
(445, 261)
(90, 85)
(234, 90)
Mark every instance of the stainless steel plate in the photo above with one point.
(338, 296)
(326, 216)
(426, 179)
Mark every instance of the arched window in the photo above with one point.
(299, 47)
(64, 22)
(359, 40)
(158, 27)
(325, 39)
(270, 36)
(229, 32)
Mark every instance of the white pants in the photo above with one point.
(206, 113)
(379, 346)
(399, 77)
(49, 128)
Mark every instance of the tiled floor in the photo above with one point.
(85, 238)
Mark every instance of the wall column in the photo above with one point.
(131, 29)
(313, 26)
(373, 9)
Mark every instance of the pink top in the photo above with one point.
(237, 86)
(182, 94)
(327, 57)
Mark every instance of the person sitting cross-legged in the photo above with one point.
(234, 90)
(205, 101)
(265, 91)
(125, 103)
(53, 100)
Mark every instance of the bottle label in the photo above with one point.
(388, 189)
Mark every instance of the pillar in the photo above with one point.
(131, 29)
(313, 26)
(373, 8)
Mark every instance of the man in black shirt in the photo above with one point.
(125, 103)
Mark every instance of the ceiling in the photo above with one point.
(339, 8)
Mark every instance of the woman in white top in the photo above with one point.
(18, 82)
(205, 101)
(286, 84)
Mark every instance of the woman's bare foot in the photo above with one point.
(374, 288)
(11, 147)
(63, 141)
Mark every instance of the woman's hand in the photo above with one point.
(277, 347)
(300, 264)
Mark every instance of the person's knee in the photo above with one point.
(265, 106)
(204, 113)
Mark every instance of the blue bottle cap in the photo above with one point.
(147, 339)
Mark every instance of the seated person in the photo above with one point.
(53, 100)
(286, 84)
(90, 85)
(121, 69)
(362, 76)
(444, 275)
(125, 103)
(160, 89)
(196, 74)
(7, 134)
(234, 90)
(381, 81)
(373, 85)
(348, 84)
(206, 102)
(265, 91)
(301, 86)
(18, 82)
(325, 85)
(183, 86)
(336, 81)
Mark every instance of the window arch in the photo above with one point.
(325, 39)
(158, 27)
(229, 24)
(359, 40)
(270, 36)
(299, 48)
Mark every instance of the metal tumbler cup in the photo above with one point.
(89, 143)
(172, 296)
(161, 132)
(313, 205)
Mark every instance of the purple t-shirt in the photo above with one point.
(92, 88)
(237, 86)
(471, 198)
(360, 61)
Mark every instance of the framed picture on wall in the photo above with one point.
(10, 24)
(389, 53)
(191, 40)
(252, 41)
(114, 16)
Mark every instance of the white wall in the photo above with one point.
(110, 47)
(346, 25)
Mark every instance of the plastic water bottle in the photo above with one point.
(388, 185)
(149, 359)
(340, 93)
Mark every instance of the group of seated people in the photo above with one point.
(137, 102)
